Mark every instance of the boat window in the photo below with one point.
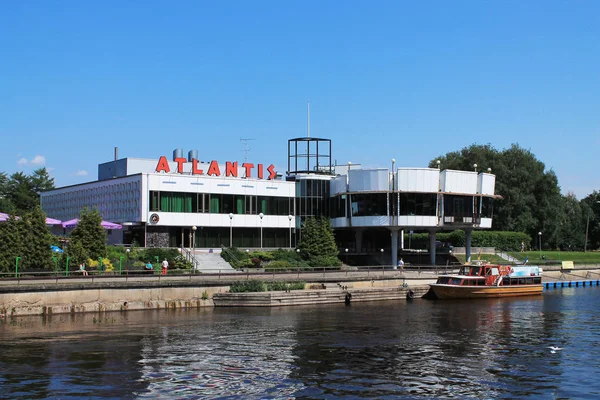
(463, 271)
(455, 281)
(475, 271)
(537, 279)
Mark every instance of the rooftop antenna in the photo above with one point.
(309, 119)
(246, 149)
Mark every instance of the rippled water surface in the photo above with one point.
(483, 349)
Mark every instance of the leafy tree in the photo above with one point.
(41, 181)
(531, 199)
(90, 234)
(37, 239)
(590, 206)
(318, 243)
(5, 204)
(20, 192)
(11, 245)
(77, 254)
(571, 229)
(27, 237)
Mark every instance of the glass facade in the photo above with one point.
(418, 204)
(312, 198)
(217, 203)
(215, 237)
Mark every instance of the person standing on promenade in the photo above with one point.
(401, 264)
(165, 266)
(148, 267)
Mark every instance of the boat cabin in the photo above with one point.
(493, 275)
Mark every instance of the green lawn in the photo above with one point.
(491, 258)
(535, 257)
(592, 257)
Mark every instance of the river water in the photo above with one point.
(483, 349)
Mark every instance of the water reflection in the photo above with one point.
(445, 349)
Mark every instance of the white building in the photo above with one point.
(184, 202)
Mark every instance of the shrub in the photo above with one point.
(256, 262)
(279, 264)
(282, 286)
(247, 286)
(324, 261)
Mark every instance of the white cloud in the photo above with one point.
(22, 161)
(38, 160)
(81, 173)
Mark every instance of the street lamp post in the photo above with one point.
(193, 237)
(346, 250)
(128, 250)
(230, 229)
(540, 236)
(261, 215)
(587, 226)
(290, 219)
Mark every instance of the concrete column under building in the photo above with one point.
(468, 244)
(432, 247)
(394, 246)
(358, 235)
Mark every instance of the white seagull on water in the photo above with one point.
(554, 349)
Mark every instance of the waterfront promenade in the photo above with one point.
(99, 293)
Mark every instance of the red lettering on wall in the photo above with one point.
(231, 169)
(195, 170)
(180, 161)
(248, 167)
(271, 170)
(260, 171)
(213, 169)
(163, 165)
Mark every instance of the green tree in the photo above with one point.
(41, 181)
(90, 234)
(531, 199)
(37, 239)
(5, 204)
(20, 193)
(11, 245)
(590, 206)
(571, 229)
(318, 243)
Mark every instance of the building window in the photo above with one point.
(418, 204)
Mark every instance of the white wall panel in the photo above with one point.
(421, 180)
(340, 222)
(486, 183)
(222, 220)
(371, 221)
(458, 181)
(338, 184)
(369, 180)
(485, 223)
(417, 221)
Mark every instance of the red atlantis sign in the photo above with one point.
(231, 168)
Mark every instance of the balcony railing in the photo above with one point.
(462, 219)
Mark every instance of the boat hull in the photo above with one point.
(445, 291)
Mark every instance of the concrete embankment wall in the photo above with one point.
(308, 297)
(61, 300)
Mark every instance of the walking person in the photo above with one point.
(401, 264)
(165, 266)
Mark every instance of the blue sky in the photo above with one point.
(403, 80)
